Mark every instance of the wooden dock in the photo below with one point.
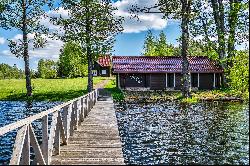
(96, 141)
(82, 131)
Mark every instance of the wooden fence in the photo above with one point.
(65, 119)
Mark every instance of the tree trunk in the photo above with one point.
(25, 51)
(90, 64)
(218, 13)
(233, 19)
(184, 51)
(89, 53)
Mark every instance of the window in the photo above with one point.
(94, 72)
(104, 71)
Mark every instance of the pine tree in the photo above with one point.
(149, 45)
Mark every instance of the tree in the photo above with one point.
(221, 26)
(47, 69)
(176, 9)
(92, 24)
(180, 9)
(158, 46)
(24, 15)
(196, 48)
(9, 72)
(149, 45)
(71, 62)
(162, 47)
(239, 73)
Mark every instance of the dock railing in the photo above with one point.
(65, 119)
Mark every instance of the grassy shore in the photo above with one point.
(45, 89)
(153, 96)
(116, 93)
(197, 96)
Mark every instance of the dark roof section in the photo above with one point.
(104, 61)
(166, 64)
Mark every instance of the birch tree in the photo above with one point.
(180, 10)
(93, 24)
(222, 25)
(24, 15)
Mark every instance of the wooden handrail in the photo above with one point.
(62, 126)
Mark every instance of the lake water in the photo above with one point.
(161, 133)
(12, 111)
(172, 133)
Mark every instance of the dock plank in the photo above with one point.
(96, 141)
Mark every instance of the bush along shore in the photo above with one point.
(161, 96)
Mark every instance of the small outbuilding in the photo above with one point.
(102, 67)
(165, 73)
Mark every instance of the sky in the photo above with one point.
(128, 43)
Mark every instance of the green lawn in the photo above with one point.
(116, 93)
(45, 89)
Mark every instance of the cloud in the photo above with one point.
(52, 47)
(147, 20)
(50, 51)
(60, 12)
(2, 40)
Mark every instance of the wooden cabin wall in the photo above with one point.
(158, 81)
(206, 81)
(178, 81)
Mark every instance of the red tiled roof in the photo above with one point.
(104, 61)
(166, 64)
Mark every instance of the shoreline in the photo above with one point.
(156, 96)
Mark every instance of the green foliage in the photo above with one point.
(239, 74)
(8, 72)
(149, 45)
(93, 24)
(116, 93)
(25, 16)
(190, 100)
(72, 63)
(163, 48)
(158, 46)
(220, 26)
(47, 69)
(45, 89)
(27, 21)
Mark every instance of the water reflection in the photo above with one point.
(172, 133)
(12, 111)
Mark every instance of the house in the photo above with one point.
(102, 67)
(160, 73)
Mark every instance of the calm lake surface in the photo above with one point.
(172, 133)
(12, 111)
